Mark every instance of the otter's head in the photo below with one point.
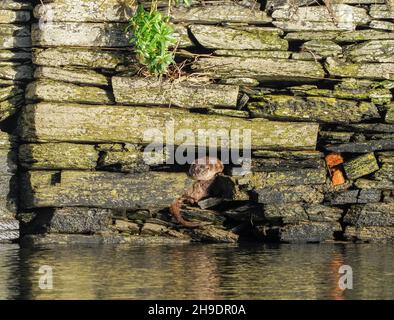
(205, 168)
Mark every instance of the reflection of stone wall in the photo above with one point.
(315, 80)
(15, 71)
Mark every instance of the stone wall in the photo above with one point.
(15, 72)
(307, 80)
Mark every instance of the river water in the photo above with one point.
(198, 272)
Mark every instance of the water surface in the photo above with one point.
(198, 271)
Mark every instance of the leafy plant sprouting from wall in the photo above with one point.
(153, 36)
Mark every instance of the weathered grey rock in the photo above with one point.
(307, 232)
(181, 35)
(57, 156)
(353, 196)
(239, 38)
(214, 235)
(339, 17)
(385, 172)
(11, 16)
(386, 157)
(9, 225)
(131, 160)
(341, 68)
(72, 239)
(101, 189)
(374, 184)
(288, 194)
(253, 54)
(367, 127)
(10, 106)
(296, 212)
(362, 147)
(151, 91)
(372, 51)
(371, 214)
(319, 109)
(84, 11)
(227, 112)
(19, 56)
(202, 216)
(209, 202)
(57, 91)
(8, 236)
(277, 164)
(15, 5)
(214, 14)
(260, 68)
(14, 30)
(312, 35)
(117, 124)
(73, 75)
(360, 89)
(361, 166)
(333, 137)
(370, 234)
(9, 92)
(381, 11)
(277, 178)
(322, 48)
(8, 42)
(80, 34)
(382, 25)
(389, 116)
(288, 154)
(8, 160)
(72, 220)
(15, 71)
(363, 35)
(126, 226)
(80, 57)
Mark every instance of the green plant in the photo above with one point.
(152, 38)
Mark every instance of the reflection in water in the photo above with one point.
(198, 272)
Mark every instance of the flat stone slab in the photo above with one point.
(379, 51)
(297, 212)
(321, 109)
(15, 5)
(307, 232)
(279, 178)
(71, 220)
(379, 71)
(117, 124)
(73, 75)
(9, 235)
(15, 71)
(289, 194)
(92, 58)
(248, 38)
(260, 68)
(353, 196)
(11, 55)
(67, 34)
(78, 239)
(319, 18)
(11, 16)
(371, 214)
(58, 91)
(370, 234)
(58, 156)
(84, 11)
(150, 91)
(361, 166)
(9, 224)
(214, 14)
(101, 189)
(381, 11)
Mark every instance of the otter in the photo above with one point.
(204, 170)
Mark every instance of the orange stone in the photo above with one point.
(333, 159)
(337, 177)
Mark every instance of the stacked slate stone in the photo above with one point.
(15, 72)
(306, 79)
